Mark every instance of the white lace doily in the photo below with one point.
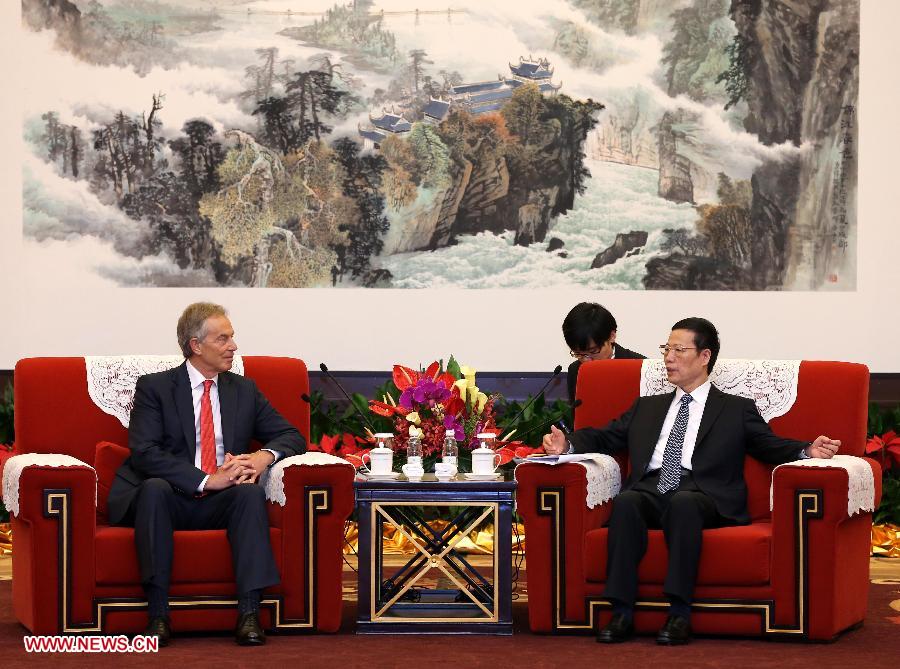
(772, 384)
(274, 476)
(14, 467)
(111, 378)
(604, 478)
(860, 480)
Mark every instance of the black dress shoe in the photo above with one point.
(619, 629)
(159, 626)
(675, 632)
(248, 632)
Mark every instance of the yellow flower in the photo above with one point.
(481, 400)
(415, 432)
(469, 373)
(413, 418)
(461, 384)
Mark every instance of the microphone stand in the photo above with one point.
(532, 400)
(368, 425)
(546, 424)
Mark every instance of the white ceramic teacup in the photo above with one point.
(485, 461)
(444, 470)
(379, 461)
(413, 471)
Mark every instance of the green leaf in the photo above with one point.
(453, 368)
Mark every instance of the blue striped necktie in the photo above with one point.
(670, 473)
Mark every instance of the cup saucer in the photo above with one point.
(390, 476)
(472, 476)
(445, 479)
(414, 479)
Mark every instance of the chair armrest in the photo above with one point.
(552, 503)
(819, 548)
(318, 499)
(53, 513)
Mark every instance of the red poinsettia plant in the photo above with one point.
(886, 448)
(346, 445)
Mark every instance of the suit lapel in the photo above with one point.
(658, 407)
(228, 410)
(184, 404)
(714, 403)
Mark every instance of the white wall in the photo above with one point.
(43, 313)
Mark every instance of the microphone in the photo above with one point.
(369, 427)
(546, 424)
(531, 401)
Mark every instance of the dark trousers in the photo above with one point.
(682, 514)
(240, 510)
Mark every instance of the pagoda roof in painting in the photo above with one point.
(484, 109)
(372, 135)
(504, 94)
(477, 87)
(391, 122)
(437, 109)
(532, 69)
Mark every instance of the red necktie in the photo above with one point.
(207, 432)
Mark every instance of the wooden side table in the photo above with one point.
(394, 601)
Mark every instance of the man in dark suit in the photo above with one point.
(687, 453)
(192, 468)
(590, 332)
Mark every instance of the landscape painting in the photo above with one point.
(520, 144)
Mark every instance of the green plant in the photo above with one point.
(883, 420)
(883, 444)
(7, 431)
(535, 420)
(889, 509)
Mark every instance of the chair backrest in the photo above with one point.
(55, 414)
(832, 399)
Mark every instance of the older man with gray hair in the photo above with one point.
(192, 467)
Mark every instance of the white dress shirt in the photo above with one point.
(197, 379)
(695, 413)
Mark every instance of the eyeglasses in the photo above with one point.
(677, 350)
(590, 353)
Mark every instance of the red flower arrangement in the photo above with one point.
(427, 403)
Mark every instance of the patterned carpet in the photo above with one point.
(870, 646)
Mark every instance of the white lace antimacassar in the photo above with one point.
(772, 384)
(604, 479)
(273, 480)
(17, 464)
(602, 474)
(860, 480)
(111, 378)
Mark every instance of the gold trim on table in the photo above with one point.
(395, 542)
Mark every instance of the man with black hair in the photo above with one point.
(686, 451)
(590, 332)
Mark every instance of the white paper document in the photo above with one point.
(561, 459)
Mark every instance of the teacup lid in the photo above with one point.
(486, 435)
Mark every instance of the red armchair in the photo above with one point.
(799, 571)
(73, 573)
